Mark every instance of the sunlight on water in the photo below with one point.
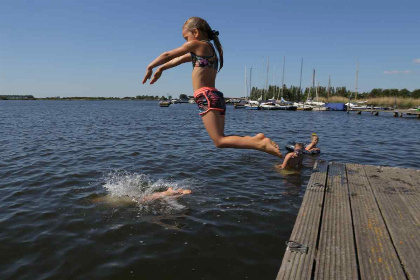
(123, 186)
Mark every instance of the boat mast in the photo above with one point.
(274, 82)
(262, 77)
(300, 82)
(250, 79)
(313, 84)
(266, 77)
(329, 87)
(246, 85)
(282, 80)
(316, 91)
(357, 77)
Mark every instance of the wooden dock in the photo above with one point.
(356, 222)
(396, 112)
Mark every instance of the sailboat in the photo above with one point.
(320, 105)
(283, 104)
(357, 104)
(316, 105)
(270, 104)
(301, 105)
(250, 105)
(240, 104)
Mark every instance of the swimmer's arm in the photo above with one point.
(153, 196)
(309, 147)
(169, 192)
(286, 160)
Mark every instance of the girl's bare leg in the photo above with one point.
(214, 124)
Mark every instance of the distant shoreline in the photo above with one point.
(399, 102)
(80, 98)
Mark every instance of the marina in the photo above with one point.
(356, 222)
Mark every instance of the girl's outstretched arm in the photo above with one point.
(168, 65)
(176, 61)
(168, 56)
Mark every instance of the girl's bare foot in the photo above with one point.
(270, 147)
(259, 136)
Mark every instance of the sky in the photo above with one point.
(102, 48)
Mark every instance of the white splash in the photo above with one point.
(134, 186)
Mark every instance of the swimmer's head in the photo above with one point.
(314, 138)
(298, 148)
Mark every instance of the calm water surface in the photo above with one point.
(72, 173)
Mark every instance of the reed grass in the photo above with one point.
(401, 102)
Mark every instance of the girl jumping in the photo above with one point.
(210, 101)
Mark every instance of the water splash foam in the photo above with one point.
(123, 184)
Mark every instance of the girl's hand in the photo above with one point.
(149, 73)
(156, 76)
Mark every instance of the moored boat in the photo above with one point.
(239, 105)
(164, 103)
(286, 107)
(268, 106)
(252, 105)
(302, 107)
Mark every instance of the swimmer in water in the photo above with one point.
(126, 200)
(294, 159)
(312, 148)
(169, 192)
(211, 103)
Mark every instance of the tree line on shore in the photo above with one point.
(293, 93)
(138, 97)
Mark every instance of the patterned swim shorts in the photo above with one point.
(208, 98)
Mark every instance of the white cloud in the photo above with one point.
(417, 60)
(397, 72)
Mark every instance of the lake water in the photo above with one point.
(63, 165)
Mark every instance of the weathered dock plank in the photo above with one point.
(376, 254)
(360, 222)
(296, 265)
(336, 257)
(407, 184)
(392, 196)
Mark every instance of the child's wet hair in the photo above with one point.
(203, 26)
(298, 144)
